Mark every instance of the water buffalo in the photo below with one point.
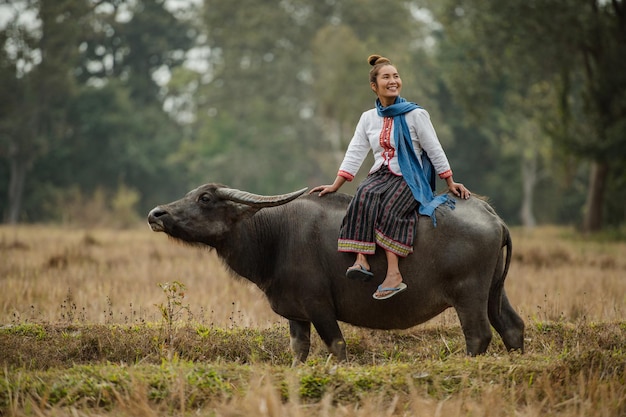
(287, 246)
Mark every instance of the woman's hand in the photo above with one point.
(458, 189)
(326, 189)
(323, 189)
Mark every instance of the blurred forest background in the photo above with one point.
(110, 107)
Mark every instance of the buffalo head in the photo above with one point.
(216, 207)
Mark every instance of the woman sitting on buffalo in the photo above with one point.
(400, 184)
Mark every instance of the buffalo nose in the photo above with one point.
(155, 219)
(156, 212)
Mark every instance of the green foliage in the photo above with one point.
(541, 84)
(265, 117)
(36, 66)
(558, 357)
(171, 312)
(314, 386)
(173, 308)
(27, 330)
(77, 81)
(265, 98)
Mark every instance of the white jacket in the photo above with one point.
(367, 136)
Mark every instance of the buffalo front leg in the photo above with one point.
(300, 335)
(329, 331)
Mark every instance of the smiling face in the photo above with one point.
(388, 85)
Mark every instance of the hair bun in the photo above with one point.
(377, 59)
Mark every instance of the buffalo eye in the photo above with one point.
(204, 198)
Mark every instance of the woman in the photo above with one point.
(399, 185)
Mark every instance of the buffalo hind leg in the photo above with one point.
(476, 329)
(329, 331)
(300, 337)
(507, 322)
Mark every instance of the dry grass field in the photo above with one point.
(83, 332)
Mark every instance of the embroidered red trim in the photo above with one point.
(346, 175)
(385, 139)
(445, 174)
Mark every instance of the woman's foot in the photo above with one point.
(391, 285)
(359, 272)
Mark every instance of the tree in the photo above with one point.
(118, 118)
(130, 42)
(285, 85)
(252, 125)
(42, 60)
(535, 43)
(337, 56)
(84, 105)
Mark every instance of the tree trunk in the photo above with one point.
(529, 180)
(595, 197)
(16, 189)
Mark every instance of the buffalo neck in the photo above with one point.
(253, 247)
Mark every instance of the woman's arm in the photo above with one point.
(334, 187)
(430, 144)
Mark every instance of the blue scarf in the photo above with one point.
(420, 178)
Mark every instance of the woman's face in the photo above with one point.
(388, 85)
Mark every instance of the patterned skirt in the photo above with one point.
(382, 212)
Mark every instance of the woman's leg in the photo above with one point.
(361, 259)
(393, 278)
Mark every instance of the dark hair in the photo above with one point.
(377, 62)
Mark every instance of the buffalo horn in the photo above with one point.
(256, 200)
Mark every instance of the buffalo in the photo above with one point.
(287, 246)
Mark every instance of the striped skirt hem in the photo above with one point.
(346, 245)
(392, 246)
(368, 248)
